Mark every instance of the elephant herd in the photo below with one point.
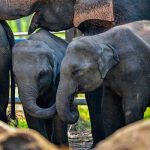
(109, 64)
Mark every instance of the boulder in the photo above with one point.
(132, 137)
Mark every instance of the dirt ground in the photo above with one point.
(79, 140)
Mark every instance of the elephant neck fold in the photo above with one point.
(100, 10)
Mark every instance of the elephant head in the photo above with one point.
(83, 69)
(61, 15)
(15, 9)
(33, 66)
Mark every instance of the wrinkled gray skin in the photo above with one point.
(118, 58)
(6, 43)
(36, 66)
(59, 14)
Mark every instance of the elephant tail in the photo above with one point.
(11, 41)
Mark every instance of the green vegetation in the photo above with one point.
(22, 25)
(147, 113)
(22, 123)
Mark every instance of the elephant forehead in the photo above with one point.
(31, 48)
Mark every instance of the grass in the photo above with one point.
(22, 123)
(147, 113)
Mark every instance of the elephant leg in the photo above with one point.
(4, 91)
(94, 105)
(49, 128)
(133, 108)
(36, 124)
(112, 112)
(3, 108)
(59, 136)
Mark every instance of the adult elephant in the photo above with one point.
(36, 66)
(118, 58)
(60, 15)
(89, 16)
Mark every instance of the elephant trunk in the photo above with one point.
(34, 23)
(28, 98)
(64, 102)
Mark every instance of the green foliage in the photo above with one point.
(147, 113)
(22, 25)
(84, 121)
(22, 123)
(84, 114)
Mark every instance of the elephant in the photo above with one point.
(6, 44)
(118, 59)
(36, 67)
(91, 17)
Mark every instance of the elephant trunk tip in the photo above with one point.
(68, 116)
(74, 118)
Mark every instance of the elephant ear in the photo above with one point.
(100, 10)
(108, 58)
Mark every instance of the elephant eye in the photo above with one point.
(75, 72)
(42, 73)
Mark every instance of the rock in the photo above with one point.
(132, 137)
(22, 139)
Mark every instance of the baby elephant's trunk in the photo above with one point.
(28, 98)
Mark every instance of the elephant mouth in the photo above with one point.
(73, 110)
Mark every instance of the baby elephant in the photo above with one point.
(118, 58)
(36, 66)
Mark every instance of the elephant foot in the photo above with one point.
(92, 146)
